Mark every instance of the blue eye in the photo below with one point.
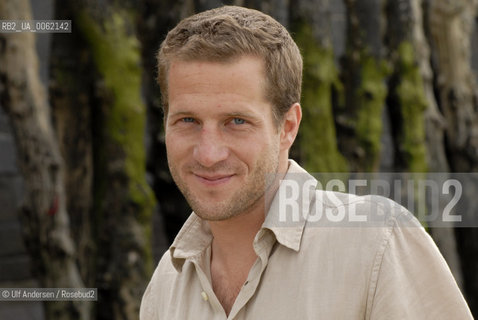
(188, 119)
(239, 121)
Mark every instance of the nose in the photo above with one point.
(211, 147)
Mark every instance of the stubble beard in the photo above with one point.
(242, 200)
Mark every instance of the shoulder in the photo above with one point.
(409, 270)
(164, 270)
(338, 209)
(162, 278)
(359, 227)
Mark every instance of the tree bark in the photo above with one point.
(363, 74)
(43, 215)
(418, 125)
(71, 88)
(123, 201)
(317, 138)
(450, 26)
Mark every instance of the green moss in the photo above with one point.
(370, 100)
(117, 57)
(411, 97)
(318, 142)
(409, 94)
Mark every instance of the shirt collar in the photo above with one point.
(195, 236)
(287, 219)
(191, 241)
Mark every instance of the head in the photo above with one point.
(226, 33)
(230, 79)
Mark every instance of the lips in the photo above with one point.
(213, 180)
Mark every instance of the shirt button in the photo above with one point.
(204, 296)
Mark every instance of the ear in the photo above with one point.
(290, 126)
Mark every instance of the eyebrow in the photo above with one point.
(241, 115)
(182, 113)
(225, 114)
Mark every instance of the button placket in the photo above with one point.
(263, 248)
(207, 294)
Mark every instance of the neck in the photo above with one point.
(233, 238)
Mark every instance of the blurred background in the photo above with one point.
(86, 199)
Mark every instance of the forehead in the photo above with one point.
(251, 63)
(240, 76)
(217, 88)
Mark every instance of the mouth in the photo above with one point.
(213, 180)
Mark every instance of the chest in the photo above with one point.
(227, 285)
(282, 293)
(226, 290)
(290, 286)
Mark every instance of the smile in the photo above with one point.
(213, 180)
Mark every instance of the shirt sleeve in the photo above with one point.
(413, 280)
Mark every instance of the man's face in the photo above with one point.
(220, 136)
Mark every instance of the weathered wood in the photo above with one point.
(436, 159)
(43, 215)
(418, 124)
(406, 97)
(450, 25)
(71, 85)
(364, 73)
(123, 201)
(317, 140)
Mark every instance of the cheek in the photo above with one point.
(175, 142)
(174, 149)
(256, 151)
(169, 147)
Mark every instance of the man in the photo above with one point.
(231, 79)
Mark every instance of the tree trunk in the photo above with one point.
(417, 126)
(43, 215)
(71, 87)
(406, 97)
(364, 74)
(450, 26)
(317, 137)
(123, 202)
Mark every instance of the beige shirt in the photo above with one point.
(313, 270)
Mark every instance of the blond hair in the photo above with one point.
(228, 32)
